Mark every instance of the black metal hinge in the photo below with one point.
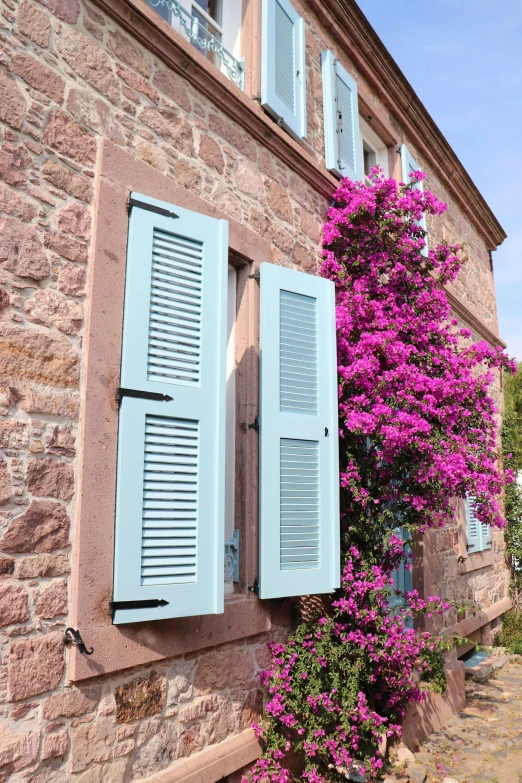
(256, 276)
(144, 395)
(255, 587)
(147, 603)
(134, 202)
(255, 424)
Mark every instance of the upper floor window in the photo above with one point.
(373, 150)
(212, 26)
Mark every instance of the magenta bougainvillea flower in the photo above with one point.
(417, 428)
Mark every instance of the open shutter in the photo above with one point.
(171, 453)
(341, 120)
(485, 533)
(283, 69)
(409, 165)
(402, 578)
(299, 476)
(473, 531)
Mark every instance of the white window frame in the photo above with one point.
(230, 421)
(369, 137)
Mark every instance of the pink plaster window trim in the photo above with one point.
(477, 560)
(121, 647)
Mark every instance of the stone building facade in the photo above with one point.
(99, 98)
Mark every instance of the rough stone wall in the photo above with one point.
(69, 76)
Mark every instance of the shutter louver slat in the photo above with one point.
(346, 139)
(298, 353)
(169, 536)
(170, 444)
(283, 66)
(285, 58)
(409, 165)
(341, 119)
(473, 529)
(299, 504)
(175, 310)
(299, 462)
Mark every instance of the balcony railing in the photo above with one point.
(194, 29)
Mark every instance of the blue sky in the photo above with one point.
(464, 61)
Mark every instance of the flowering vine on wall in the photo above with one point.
(417, 428)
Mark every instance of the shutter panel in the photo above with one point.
(283, 69)
(402, 578)
(473, 532)
(170, 476)
(299, 475)
(409, 165)
(485, 533)
(341, 120)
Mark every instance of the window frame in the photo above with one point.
(369, 136)
(471, 561)
(121, 647)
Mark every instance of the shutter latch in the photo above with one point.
(255, 424)
(147, 603)
(144, 395)
(72, 636)
(232, 557)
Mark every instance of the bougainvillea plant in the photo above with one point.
(417, 429)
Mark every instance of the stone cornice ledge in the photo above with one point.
(156, 35)
(346, 22)
(214, 763)
(473, 322)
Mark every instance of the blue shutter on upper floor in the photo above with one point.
(299, 460)
(341, 119)
(171, 466)
(409, 165)
(283, 68)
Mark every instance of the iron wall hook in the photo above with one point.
(72, 636)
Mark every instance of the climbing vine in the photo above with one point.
(512, 457)
(417, 429)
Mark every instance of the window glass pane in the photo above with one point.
(370, 158)
(162, 10)
(211, 7)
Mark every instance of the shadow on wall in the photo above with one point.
(432, 714)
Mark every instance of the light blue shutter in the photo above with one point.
(402, 578)
(409, 165)
(283, 68)
(341, 120)
(473, 527)
(485, 534)
(170, 479)
(299, 475)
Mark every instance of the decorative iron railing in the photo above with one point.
(203, 39)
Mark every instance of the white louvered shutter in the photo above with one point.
(473, 527)
(299, 475)
(283, 69)
(170, 475)
(341, 119)
(409, 165)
